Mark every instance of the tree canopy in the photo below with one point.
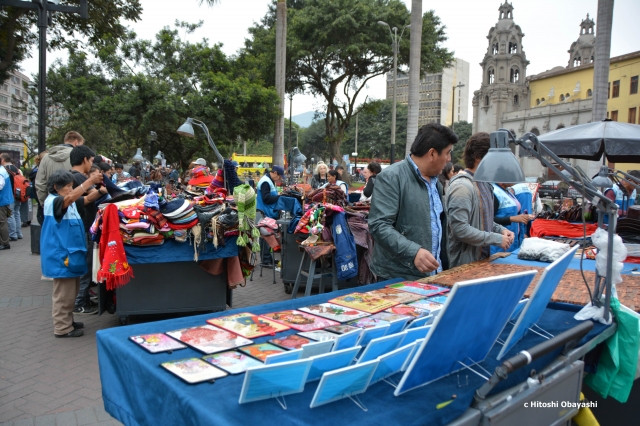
(141, 86)
(463, 129)
(335, 47)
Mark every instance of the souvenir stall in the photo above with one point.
(376, 355)
(315, 228)
(174, 251)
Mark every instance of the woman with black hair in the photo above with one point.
(370, 172)
(445, 176)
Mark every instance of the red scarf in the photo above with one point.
(115, 269)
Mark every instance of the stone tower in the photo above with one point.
(504, 68)
(583, 50)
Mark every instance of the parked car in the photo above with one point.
(551, 189)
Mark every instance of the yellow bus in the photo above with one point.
(250, 164)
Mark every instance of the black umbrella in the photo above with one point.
(620, 142)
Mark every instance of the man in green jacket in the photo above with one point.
(406, 219)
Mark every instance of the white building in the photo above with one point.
(15, 104)
(436, 94)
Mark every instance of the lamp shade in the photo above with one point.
(138, 156)
(158, 156)
(499, 165)
(187, 128)
(602, 180)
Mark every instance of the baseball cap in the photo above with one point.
(278, 169)
(201, 161)
(235, 164)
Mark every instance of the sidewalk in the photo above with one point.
(49, 381)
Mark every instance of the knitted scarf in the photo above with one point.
(114, 269)
(246, 199)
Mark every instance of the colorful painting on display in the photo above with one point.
(193, 370)
(368, 322)
(233, 362)
(409, 310)
(363, 302)
(395, 295)
(209, 339)
(293, 341)
(334, 312)
(299, 320)
(419, 288)
(438, 299)
(157, 342)
(262, 350)
(341, 329)
(248, 325)
(390, 316)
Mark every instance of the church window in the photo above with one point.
(577, 60)
(561, 97)
(515, 75)
(589, 92)
(494, 49)
(491, 76)
(486, 101)
(567, 96)
(535, 131)
(516, 100)
(560, 126)
(541, 100)
(592, 59)
(513, 48)
(537, 101)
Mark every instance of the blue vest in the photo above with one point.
(525, 197)
(508, 207)
(268, 209)
(621, 202)
(62, 245)
(6, 194)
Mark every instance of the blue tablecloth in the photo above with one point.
(173, 251)
(136, 390)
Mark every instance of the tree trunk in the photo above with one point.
(281, 54)
(414, 73)
(602, 59)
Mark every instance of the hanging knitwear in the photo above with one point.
(115, 269)
(560, 228)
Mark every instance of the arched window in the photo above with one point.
(513, 48)
(515, 75)
(494, 48)
(567, 96)
(576, 61)
(560, 126)
(537, 101)
(491, 76)
(486, 101)
(535, 131)
(589, 92)
(592, 59)
(516, 100)
(541, 100)
(561, 97)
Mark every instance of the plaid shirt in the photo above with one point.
(435, 211)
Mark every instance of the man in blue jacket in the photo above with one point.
(6, 198)
(406, 220)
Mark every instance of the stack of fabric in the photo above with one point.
(143, 224)
(200, 179)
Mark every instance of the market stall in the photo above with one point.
(132, 380)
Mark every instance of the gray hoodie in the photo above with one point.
(57, 159)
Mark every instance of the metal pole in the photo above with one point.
(395, 83)
(42, 78)
(290, 141)
(453, 107)
(356, 147)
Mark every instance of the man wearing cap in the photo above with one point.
(200, 162)
(266, 202)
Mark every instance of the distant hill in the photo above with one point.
(304, 119)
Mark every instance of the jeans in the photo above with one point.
(4, 225)
(82, 299)
(15, 224)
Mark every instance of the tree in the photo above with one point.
(141, 86)
(463, 129)
(334, 48)
(19, 31)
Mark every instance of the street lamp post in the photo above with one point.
(395, 40)
(45, 8)
(453, 104)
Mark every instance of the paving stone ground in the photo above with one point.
(49, 381)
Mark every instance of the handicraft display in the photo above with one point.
(341, 329)
(363, 302)
(293, 341)
(334, 312)
(427, 305)
(233, 362)
(395, 295)
(157, 342)
(422, 289)
(318, 335)
(262, 350)
(193, 370)
(209, 339)
(248, 325)
(408, 310)
(301, 321)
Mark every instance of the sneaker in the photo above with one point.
(43, 278)
(85, 310)
(77, 325)
(93, 292)
(72, 333)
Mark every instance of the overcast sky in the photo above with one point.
(550, 26)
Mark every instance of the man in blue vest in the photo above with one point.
(624, 195)
(267, 198)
